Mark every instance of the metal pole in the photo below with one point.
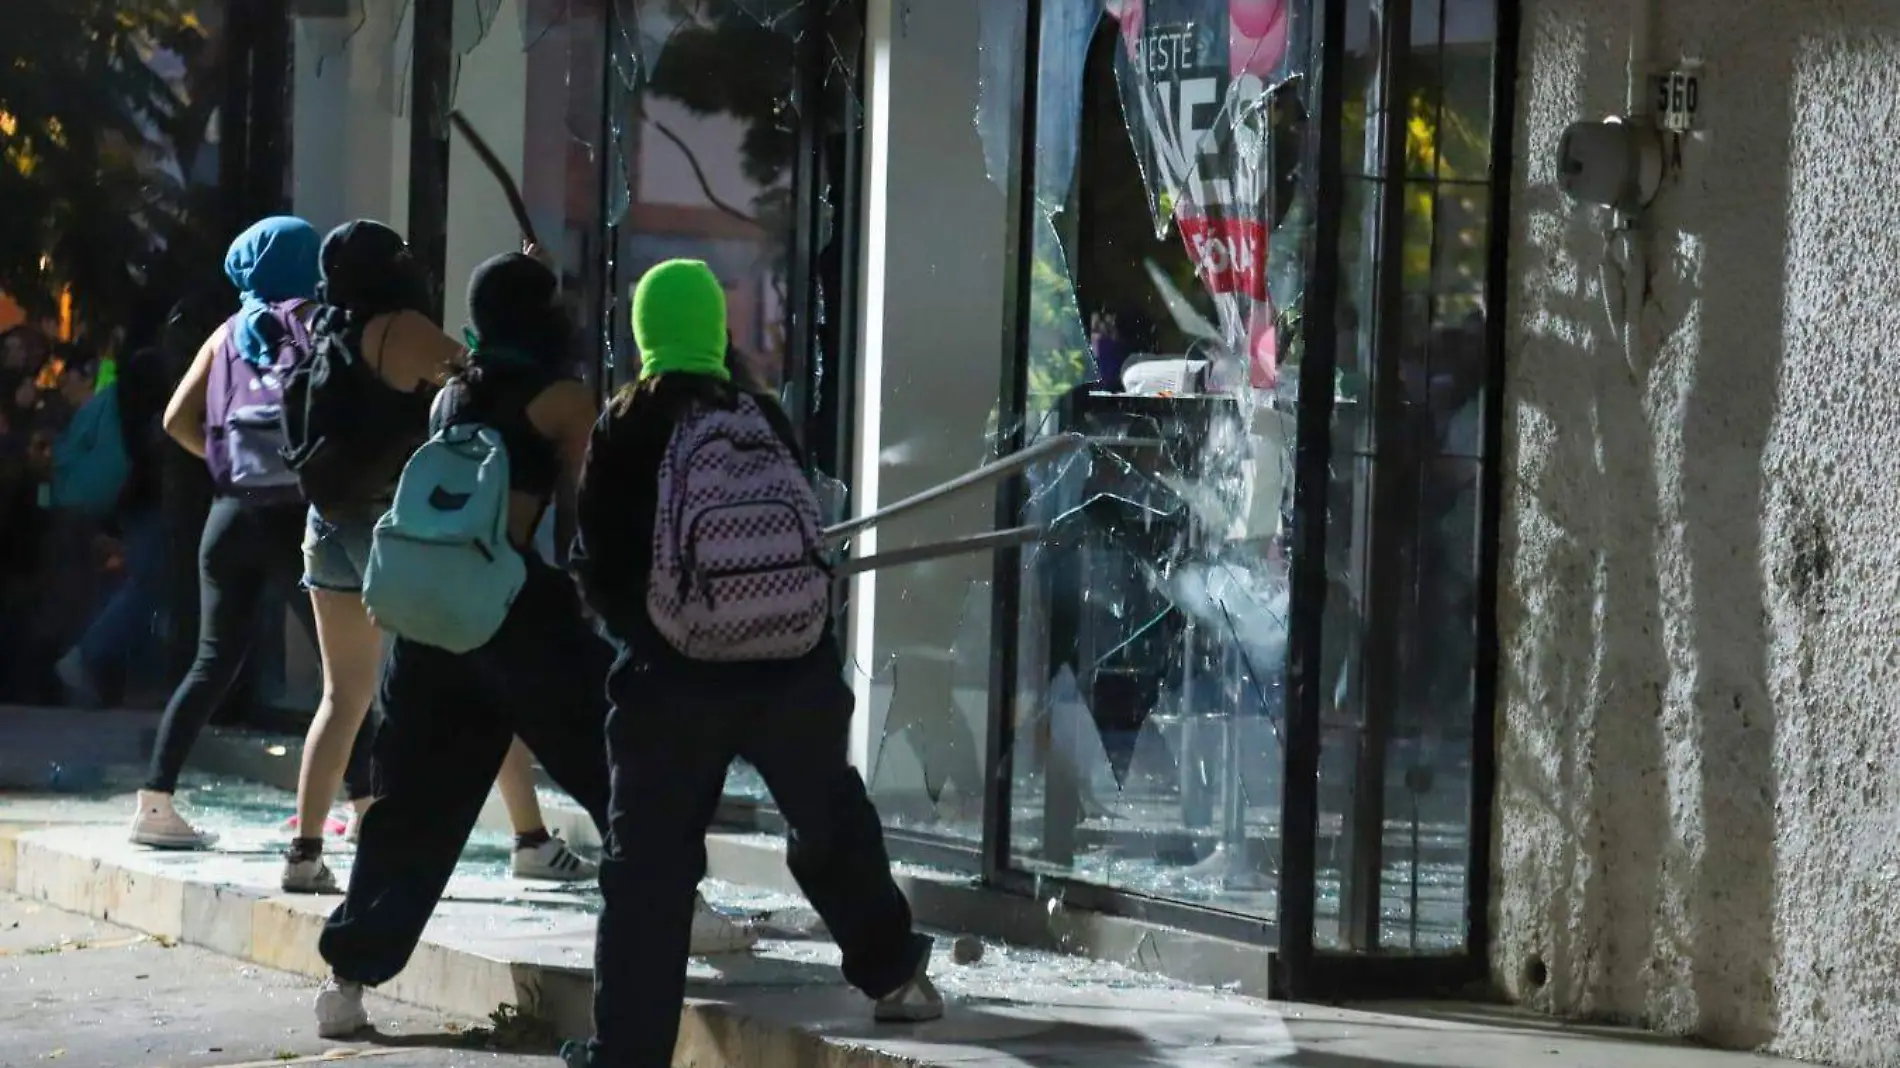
(974, 543)
(1049, 448)
(431, 70)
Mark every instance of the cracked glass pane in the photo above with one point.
(526, 76)
(473, 20)
(926, 767)
(1167, 278)
(935, 228)
(326, 37)
(700, 124)
(705, 139)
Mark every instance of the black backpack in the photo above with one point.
(347, 433)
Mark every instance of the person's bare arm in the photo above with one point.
(565, 413)
(185, 413)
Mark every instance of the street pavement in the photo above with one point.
(78, 993)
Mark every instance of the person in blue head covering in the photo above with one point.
(224, 410)
(272, 262)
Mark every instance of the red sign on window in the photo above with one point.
(1230, 254)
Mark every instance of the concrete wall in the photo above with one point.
(1697, 824)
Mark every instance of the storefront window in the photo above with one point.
(1123, 245)
(705, 140)
(1168, 255)
(1167, 277)
(1404, 548)
(933, 352)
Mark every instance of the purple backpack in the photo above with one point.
(738, 573)
(244, 415)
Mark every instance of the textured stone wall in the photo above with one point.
(1698, 828)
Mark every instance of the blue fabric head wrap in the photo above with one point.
(272, 262)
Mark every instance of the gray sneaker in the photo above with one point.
(308, 875)
(915, 1002)
(162, 828)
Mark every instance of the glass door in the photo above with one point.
(1388, 815)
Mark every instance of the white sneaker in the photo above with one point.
(308, 876)
(553, 861)
(340, 1012)
(716, 934)
(915, 1002)
(159, 826)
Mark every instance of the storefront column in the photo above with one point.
(350, 157)
(492, 91)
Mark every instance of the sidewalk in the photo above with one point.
(496, 941)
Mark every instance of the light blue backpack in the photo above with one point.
(441, 570)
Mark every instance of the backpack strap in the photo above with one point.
(220, 381)
(289, 316)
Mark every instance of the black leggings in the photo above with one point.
(448, 721)
(243, 552)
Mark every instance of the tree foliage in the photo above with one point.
(84, 118)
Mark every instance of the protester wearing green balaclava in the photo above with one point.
(679, 321)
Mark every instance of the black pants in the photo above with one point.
(669, 742)
(243, 553)
(448, 721)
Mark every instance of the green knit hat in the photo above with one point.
(679, 321)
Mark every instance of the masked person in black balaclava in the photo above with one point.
(377, 314)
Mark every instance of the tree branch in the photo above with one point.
(699, 173)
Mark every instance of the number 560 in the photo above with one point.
(1678, 93)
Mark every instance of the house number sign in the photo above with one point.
(1678, 98)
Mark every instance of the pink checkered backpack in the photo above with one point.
(738, 573)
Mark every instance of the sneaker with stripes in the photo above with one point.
(553, 861)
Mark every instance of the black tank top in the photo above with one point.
(497, 395)
(404, 414)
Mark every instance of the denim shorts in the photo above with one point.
(336, 552)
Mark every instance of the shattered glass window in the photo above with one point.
(708, 122)
(1174, 208)
(1172, 229)
(524, 76)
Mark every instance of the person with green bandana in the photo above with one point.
(681, 715)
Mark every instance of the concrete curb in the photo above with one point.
(281, 933)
